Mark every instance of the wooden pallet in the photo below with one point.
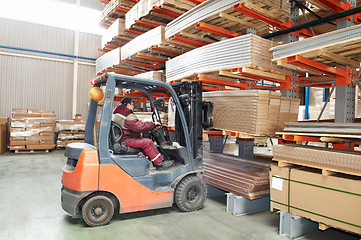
(33, 151)
(325, 171)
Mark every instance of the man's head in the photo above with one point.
(128, 103)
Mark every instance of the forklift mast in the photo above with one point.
(190, 96)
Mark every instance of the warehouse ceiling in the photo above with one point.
(56, 13)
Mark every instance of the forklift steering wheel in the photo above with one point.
(116, 132)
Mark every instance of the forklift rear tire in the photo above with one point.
(98, 211)
(190, 194)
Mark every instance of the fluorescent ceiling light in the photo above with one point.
(53, 13)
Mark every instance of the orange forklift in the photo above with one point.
(99, 180)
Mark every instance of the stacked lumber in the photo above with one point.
(111, 62)
(147, 117)
(32, 129)
(116, 35)
(153, 75)
(115, 9)
(220, 14)
(108, 60)
(139, 49)
(336, 48)
(69, 131)
(144, 11)
(252, 112)
(325, 130)
(243, 177)
(317, 157)
(243, 51)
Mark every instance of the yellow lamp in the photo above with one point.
(97, 94)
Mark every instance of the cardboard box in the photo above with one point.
(17, 148)
(4, 120)
(39, 147)
(3, 137)
(331, 200)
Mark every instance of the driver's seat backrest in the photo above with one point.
(120, 148)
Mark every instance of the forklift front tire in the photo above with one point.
(190, 194)
(98, 211)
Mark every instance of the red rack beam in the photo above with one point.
(342, 77)
(216, 30)
(111, 18)
(335, 5)
(254, 76)
(155, 47)
(154, 59)
(121, 39)
(143, 64)
(133, 31)
(243, 85)
(104, 1)
(196, 1)
(129, 69)
(112, 46)
(256, 15)
(166, 11)
(153, 25)
(121, 9)
(103, 50)
(188, 41)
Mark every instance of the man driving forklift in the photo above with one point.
(132, 127)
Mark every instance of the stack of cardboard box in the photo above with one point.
(32, 129)
(69, 131)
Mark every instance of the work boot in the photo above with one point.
(164, 165)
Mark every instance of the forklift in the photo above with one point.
(99, 180)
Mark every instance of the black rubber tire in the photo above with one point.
(90, 211)
(190, 194)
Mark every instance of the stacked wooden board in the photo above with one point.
(320, 184)
(111, 62)
(116, 35)
(220, 14)
(153, 75)
(327, 131)
(144, 11)
(139, 50)
(252, 112)
(69, 131)
(32, 129)
(336, 48)
(317, 157)
(243, 51)
(115, 9)
(243, 177)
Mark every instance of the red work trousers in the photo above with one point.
(148, 148)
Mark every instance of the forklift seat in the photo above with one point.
(116, 135)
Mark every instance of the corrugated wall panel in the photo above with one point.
(89, 44)
(27, 82)
(36, 84)
(36, 37)
(86, 74)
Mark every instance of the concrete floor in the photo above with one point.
(30, 209)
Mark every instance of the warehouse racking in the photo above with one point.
(327, 57)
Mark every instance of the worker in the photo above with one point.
(132, 127)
